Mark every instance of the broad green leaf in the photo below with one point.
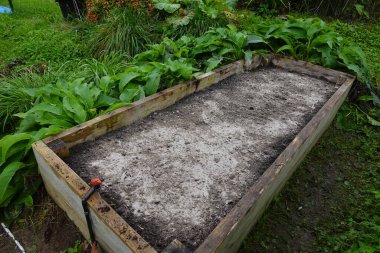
(254, 39)
(83, 93)
(114, 107)
(166, 6)
(6, 177)
(45, 107)
(128, 95)
(152, 83)
(49, 119)
(27, 122)
(105, 84)
(125, 78)
(72, 106)
(286, 48)
(182, 70)
(46, 90)
(105, 100)
(226, 51)
(213, 62)
(11, 144)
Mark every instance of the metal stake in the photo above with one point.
(95, 184)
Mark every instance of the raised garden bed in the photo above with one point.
(199, 173)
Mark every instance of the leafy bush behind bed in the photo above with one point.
(65, 104)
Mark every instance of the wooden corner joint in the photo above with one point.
(59, 147)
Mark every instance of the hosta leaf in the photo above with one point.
(254, 39)
(213, 62)
(114, 107)
(105, 84)
(84, 93)
(46, 90)
(11, 144)
(45, 107)
(128, 95)
(286, 48)
(182, 69)
(104, 100)
(125, 78)
(209, 10)
(72, 107)
(49, 119)
(6, 177)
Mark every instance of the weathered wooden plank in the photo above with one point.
(310, 69)
(67, 190)
(230, 232)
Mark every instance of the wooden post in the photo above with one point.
(11, 5)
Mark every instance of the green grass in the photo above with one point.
(35, 33)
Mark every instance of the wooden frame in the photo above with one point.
(113, 232)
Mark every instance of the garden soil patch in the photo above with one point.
(176, 173)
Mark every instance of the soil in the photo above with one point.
(183, 168)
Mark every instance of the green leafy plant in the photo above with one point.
(196, 16)
(361, 10)
(77, 248)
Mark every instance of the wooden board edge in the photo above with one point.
(230, 232)
(310, 69)
(104, 217)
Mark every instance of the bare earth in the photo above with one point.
(175, 174)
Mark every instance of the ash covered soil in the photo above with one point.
(176, 173)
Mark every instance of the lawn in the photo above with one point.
(329, 205)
